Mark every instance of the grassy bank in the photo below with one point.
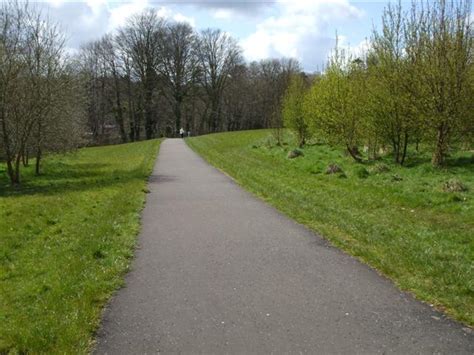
(66, 239)
(399, 220)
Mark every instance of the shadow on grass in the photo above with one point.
(464, 162)
(61, 177)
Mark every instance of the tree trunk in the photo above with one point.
(404, 152)
(131, 135)
(25, 157)
(214, 115)
(302, 140)
(38, 161)
(11, 173)
(177, 112)
(15, 172)
(439, 154)
(148, 116)
(353, 151)
(119, 116)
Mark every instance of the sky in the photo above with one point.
(301, 29)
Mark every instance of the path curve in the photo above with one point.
(219, 271)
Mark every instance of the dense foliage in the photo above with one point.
(414, 85)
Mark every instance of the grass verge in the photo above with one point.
(66, 239)
(399, 220)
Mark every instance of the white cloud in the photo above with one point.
(223, 14)
(169, 14)
(302, 29)
(55, 3)
(120, 14)
(356, 51)
(178, 17)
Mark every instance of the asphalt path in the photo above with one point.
(219, 271)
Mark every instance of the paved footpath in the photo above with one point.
(219, 271)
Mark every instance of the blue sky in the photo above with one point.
(304, 29)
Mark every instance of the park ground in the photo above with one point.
(67, 236)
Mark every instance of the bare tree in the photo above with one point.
(140, 38)
(178, 65)
(108, 52)
(32, 66)
(218, 54)
(95, 75)
(14, 129)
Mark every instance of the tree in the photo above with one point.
(335, 104)
(293, 111)
(178, 65)
(107, 51)
(217, 54)
(393, 104)
(32, 66)
(140, 38)
(439, 40)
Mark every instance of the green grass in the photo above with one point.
(399, 221)
(66, 239)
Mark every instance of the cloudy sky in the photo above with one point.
(304, 29)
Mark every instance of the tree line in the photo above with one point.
(146, 79)
(39, 107)
(153, 76)
(414, 85)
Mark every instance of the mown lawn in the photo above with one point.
(66, 239)
(397, 219)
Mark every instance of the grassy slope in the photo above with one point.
(412, 231)
(65, 241)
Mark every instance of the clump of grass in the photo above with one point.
(295, 153)
(380, 168)
(454, 185)
(270, 142)
(333, 169)
(362, 173)
(66, 239)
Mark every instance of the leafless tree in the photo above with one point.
(178, 65)
(140, 38)
(218, 54)
(31, 76)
